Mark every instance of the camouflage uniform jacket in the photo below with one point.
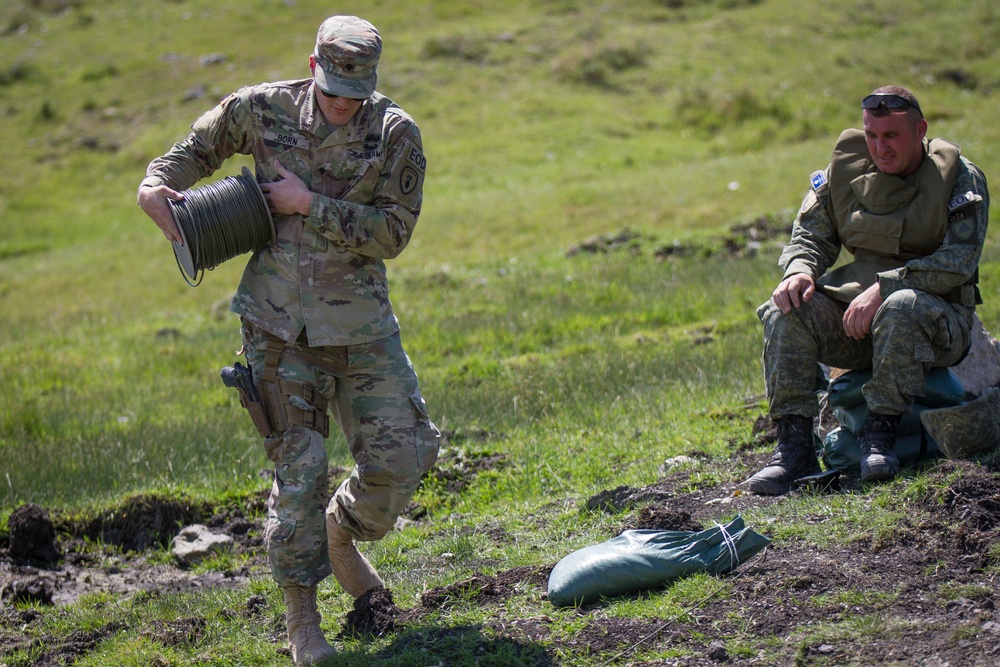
(324, 272)
(948, 269)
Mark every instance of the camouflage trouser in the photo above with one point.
(912, 331)
(375, 399)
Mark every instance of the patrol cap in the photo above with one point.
(347, 53)
(966, 429)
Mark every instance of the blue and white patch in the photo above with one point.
(818, 180)
(964, 199)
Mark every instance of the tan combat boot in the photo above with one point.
(350, 567)
(305, 639)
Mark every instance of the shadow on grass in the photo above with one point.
(459, 645)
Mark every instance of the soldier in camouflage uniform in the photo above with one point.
(913, 213)
(342, 170)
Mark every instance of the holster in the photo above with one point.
(284, 403)
(258, 415)
(278, 399)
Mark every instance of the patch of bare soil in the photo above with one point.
(487, 589)
(37, 567)
(741, 240)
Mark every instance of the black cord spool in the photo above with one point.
(218, 222)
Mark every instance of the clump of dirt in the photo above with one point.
(53, 652)
(626, 239)
(742, 240)
(32, 535)
(622, 498)
(29, 589)
(179, 632)
(488, 589)
(763, 433)
(662, 517)
(374, 615)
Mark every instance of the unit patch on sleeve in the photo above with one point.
(964, 199)
(415, 156)
(412, 174)
(962, 229)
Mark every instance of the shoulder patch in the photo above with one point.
(818, 181)
(962, 230)
(964, 199)
(415, 156)
(413, 165)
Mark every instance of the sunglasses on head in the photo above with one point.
(888, 101)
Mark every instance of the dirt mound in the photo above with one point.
(182, 631)
(969, 508)
(56, 653)
(622, 498)
(458, 465)
(32, 535)
(139, 522)
(661, 517)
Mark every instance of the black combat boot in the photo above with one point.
(877, 439)
(794, 458)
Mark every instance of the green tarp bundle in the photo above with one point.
(640, 559)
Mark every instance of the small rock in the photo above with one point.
(195, 543)
(717, 652)
(677, 461)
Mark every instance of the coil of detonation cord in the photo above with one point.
(218, 222)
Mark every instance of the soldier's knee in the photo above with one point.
(902, 300)
(296, 445)
(907, 307)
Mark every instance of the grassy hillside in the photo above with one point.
(559, 364)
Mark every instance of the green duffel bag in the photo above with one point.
(852, 418)
(841, 451)
(942, 389)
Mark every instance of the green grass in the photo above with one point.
(545, 124)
